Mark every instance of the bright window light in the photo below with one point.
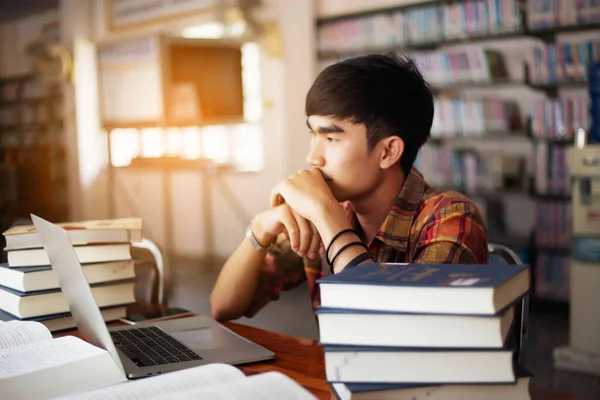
(192, 143)
(240, 145)
(125, 145)
(210, 30)
(215, 143)
(248, 150)
(153, 142)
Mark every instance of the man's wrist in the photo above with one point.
(263, 238)
(331, 220)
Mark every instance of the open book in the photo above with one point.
(212, 381)
(69, 368)
(33, 365)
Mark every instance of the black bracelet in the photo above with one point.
(358, 259)
(337, 235)
(344, 247)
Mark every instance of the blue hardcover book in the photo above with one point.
(426, 288)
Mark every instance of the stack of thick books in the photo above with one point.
(29, 288)
(423, 331)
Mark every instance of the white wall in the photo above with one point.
(284, 83)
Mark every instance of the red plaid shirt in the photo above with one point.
(424, 225)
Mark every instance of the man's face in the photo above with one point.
(340, 150)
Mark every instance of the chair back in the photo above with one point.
(500, 254)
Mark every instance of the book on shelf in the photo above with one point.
(70, 368)
(441, 289)
(37, 278)
(63, 321)
(559, 119)
(372, 328)
(470, 65)
(553, 224)
(461, 117)
(370, 391)
(552, 276)
(562, 62)
(555, 13)
(48, 302)
(85, 254)
(121, 230)
(471, 171)
(420, 24)
(355, 364)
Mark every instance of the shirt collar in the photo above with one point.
(395, 229)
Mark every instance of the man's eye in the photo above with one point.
(331, 139)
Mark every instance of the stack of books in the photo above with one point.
(423, 331)
(29, 288)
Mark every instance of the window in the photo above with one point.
(240, 145)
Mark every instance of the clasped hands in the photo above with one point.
(299, 207)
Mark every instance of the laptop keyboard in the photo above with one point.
(150, 346)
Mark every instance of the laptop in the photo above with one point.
(146, 349)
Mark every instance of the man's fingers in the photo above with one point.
(306, 234)
(315, 242)
(276, 198)
(291, 226)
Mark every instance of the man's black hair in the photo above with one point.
(387, 93)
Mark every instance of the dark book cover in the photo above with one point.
(458, 276)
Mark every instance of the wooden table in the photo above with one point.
(303, 361)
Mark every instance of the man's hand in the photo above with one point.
(304, 237)
(306, 192)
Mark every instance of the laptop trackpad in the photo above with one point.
(196, 339)
(200, 333)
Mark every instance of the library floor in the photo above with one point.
(292, 314)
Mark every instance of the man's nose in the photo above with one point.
(314, 157)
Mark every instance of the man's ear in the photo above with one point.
(391, 149)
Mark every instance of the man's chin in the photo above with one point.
(339, 196)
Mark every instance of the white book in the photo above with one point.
(120, 230)
(352, 364)
(35, 366)
(85, 254)
(31, 279)
(64, 321)
(369, 328)
(213, 381)
(70, 368)
(36, 304)
(518, 391)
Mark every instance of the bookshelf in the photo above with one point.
(429, 31)
(33, 166)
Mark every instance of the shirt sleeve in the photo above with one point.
(277, 273)
(453, 233)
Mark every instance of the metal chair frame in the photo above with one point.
(521, 329)
(162, 267)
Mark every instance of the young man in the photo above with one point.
(361, 199)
